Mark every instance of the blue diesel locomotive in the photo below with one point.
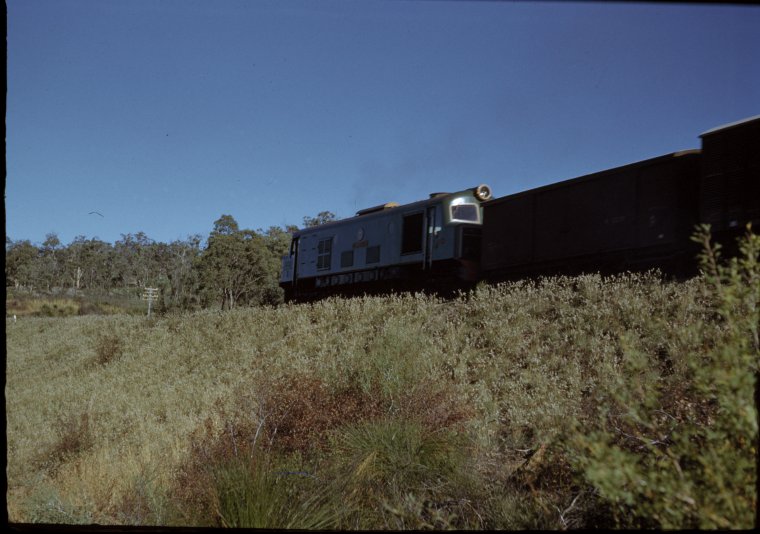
(430, 243)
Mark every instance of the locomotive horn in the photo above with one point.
(482, 192)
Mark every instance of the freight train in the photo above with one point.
(630, 218)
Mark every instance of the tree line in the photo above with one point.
(232, 267)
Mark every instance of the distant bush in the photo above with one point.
(16, 306)
(89, 308)
(54, 308)
(51, 305)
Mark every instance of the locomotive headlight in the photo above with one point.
(482, 192)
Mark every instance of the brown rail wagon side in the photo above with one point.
(627, 218)
(730, 181)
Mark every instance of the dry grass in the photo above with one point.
(124, 420)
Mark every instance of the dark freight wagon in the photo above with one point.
(632, 217)
(730, 181)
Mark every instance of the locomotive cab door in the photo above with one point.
(294, 256)
(429, 237)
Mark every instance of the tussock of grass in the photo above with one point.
(108, 348)
(73, 437)
(527, 405)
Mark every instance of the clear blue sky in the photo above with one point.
(163, 115)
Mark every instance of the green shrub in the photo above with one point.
(680, 451)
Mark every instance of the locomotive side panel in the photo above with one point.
(358, 243)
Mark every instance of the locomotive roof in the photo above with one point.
(436, 197)
(730, 125)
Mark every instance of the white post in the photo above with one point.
(150, 294)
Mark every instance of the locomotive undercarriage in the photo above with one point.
(442, 277)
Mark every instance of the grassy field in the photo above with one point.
(563, 403)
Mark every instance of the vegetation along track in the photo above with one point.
(616, 402)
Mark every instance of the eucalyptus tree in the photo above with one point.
(321, 218)
(21, 258)
(177, 278)
(136, 259)
(89, 263)
(51, 262)
(233, 267)
(277, 242)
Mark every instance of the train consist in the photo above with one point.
(634, 217)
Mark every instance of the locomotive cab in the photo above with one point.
(389, 247)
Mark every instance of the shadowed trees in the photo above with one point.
(241, 267)
(20, 263)
(233, 267)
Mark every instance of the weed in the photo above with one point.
(144, 503)
(256, 494)
(232, 480)
(108, 348)
(74, 436)
(46, 505)
(303, 409)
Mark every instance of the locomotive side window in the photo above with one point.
(347, 258)
(411, 234)
(373, 254)
(464, 212)
(324, 253)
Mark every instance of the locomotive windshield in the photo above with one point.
(464, 212)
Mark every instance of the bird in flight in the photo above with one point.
(96, 213)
